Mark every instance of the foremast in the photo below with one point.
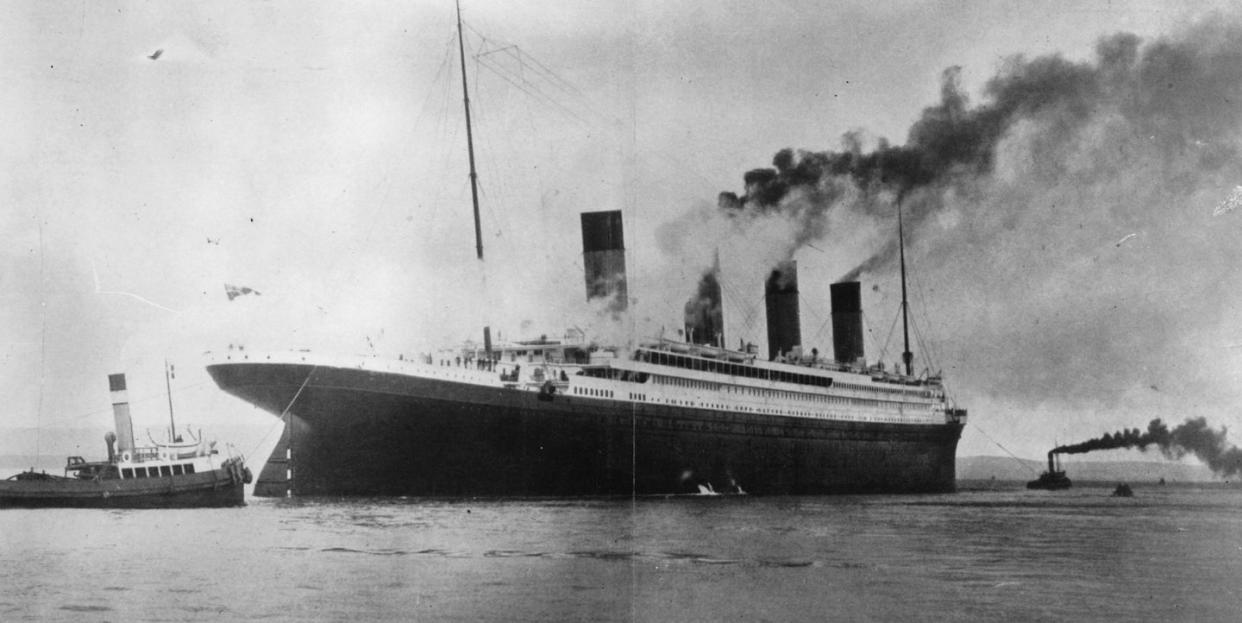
(474, 176)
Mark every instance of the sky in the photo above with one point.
(1083, 281)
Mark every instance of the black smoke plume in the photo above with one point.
(1015, 199)
(1194, 436)
(1151, 89)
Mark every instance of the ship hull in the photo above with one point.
(209, 489)
(361, 432)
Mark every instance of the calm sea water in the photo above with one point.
(1168, 554)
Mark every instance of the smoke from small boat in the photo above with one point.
(1193, 436)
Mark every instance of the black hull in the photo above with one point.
(212, 489)
(358, 432)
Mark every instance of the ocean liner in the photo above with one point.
(566, 416)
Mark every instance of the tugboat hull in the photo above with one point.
(1053, 482)
(1054, 479)
(221, 487)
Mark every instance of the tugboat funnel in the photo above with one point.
(120, 413)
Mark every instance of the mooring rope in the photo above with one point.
(998, 445)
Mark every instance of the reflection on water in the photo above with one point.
(1168, 553)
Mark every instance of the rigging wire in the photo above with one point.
(543, 85)
(932, 350)
(583, 111)
(372, 219)
(527, 75)
(444, 132)
(517, 79)
(750, 312)
(928, 356)
(550, 78)
(529, 89)
(820, 332)
(870, 332)
(540, 85)
(889, 338)
(132, 401)
(496, 178)
(813, 311)
(517, 53)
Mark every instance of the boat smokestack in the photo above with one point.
(120, 413)
(1051, 468)
(781, 298)
(847, 327)
(603, 257)
(704, 315)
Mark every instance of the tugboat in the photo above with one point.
(176, 474)
(1053, 479)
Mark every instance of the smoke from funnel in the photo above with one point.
(951, 145)
(1014, 199)
(1194, 436)
(954, 144)
(704, 316)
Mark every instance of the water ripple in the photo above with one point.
(77, 608)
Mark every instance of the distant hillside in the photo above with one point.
(1008, 468)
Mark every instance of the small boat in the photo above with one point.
(1054, 479)
(1123, 490)
(175, 474)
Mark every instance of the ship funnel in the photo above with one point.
(603, 256)
(120, 413)
(847, 327)
(781, 298)
(704, 316)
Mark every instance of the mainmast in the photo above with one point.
(906, 355)
(474, 177)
